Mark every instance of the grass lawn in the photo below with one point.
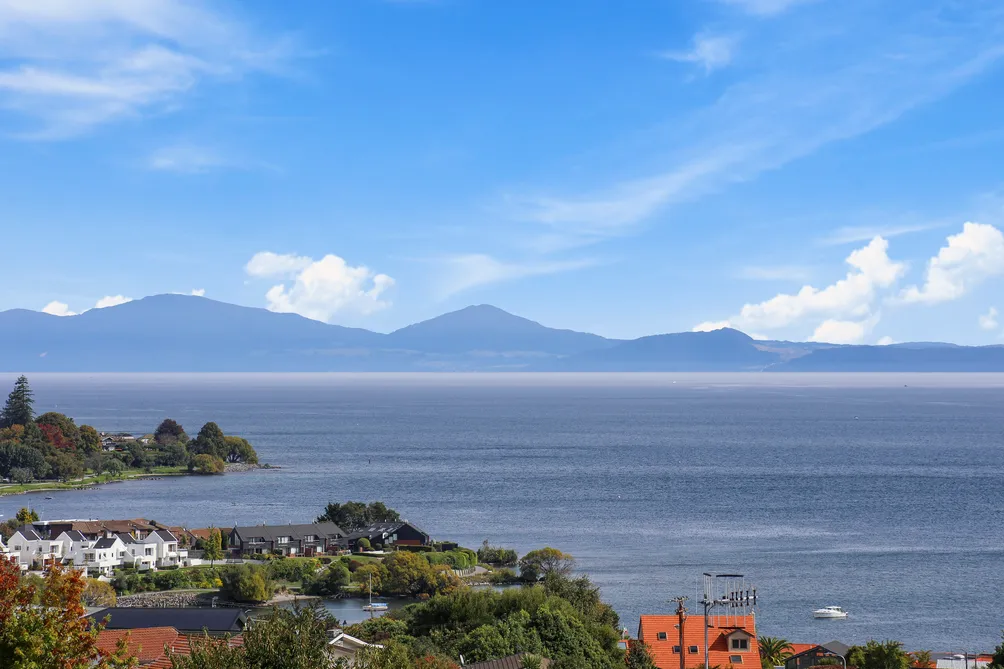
(90, 480)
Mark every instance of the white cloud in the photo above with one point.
(711, 326)
(969, 258)
(988, 321)
(72, 65)
(320, 288)
(885, 341)
(852, 296)
(185, 158)
(832, 331)
(112, 301)
(199, 292)
(463, 272)
(851, 234)
(266, 263)
(711, 52)
(55, 308)
(764, 7)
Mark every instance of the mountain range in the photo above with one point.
(186, 333)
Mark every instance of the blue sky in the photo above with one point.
(826, 169)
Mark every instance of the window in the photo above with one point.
(740, 644)
(310, 537)
(282, 540)
(676, 649)
(736, 659)
(149, 551)
(88, 557)
(692, 650)
(662, 636)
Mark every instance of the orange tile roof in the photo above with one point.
(147, 644)
(201, 533)
(719, 630)
(797, 648)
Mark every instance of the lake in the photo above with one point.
(877, 493)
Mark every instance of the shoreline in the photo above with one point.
(10, 490)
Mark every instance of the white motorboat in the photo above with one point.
(829, 612)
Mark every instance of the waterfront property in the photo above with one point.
(346, 646)
(215, 621)
(677, 641)
(304, 540)
(398, 533)
(510, 662)
(804, 656)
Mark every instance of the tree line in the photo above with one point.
(52, 446)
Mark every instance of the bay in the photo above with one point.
(878, 493)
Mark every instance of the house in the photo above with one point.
(103, 556)
(215, 622)
(804, 656)
(73, 546)
(138, 528)
(307, 540)
(28, 548)
(166, 550)
(677, 641)
(399, 533)
(152, 646)
(510, 662)
(138, 554)
(346, 646)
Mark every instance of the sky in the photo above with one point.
(825, 170)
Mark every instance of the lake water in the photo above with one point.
(878, 493)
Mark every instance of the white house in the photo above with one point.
(103, 556)
(137, 553)
(345, 646)
(166, 549)
(30, 548)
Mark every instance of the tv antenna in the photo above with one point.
(731, 593)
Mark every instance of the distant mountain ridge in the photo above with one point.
(185, 333)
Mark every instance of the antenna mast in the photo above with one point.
(731, 593)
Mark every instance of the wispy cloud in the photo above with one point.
(774, 272)
(827, 86)
(854, 234)
(764, 7)
(464, 272)
(710, 52)
(187, 158)
(73, 66)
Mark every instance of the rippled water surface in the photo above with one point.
(878, 493)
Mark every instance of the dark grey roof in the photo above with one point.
(28, 532)
(837, 647)
(379, 529)
(510, 662)
(126, 538)
(217, 620)
(104, 542)
(74, 535)
(294, 532)
(166, 535)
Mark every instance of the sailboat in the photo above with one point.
(379, 606)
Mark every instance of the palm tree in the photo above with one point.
(921, 658)
(773, 651)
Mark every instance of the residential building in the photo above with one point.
(804, 656)
(30, 549)
(152, 646)
(138, 528)
(677, 641)
(306, 540)
(343, 645)
(166, 549)
(138, 554)
(400, 533)
(216, 621)
(103, 556)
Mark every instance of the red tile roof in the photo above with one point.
(650, 627)
(150, 645)
(797, 648)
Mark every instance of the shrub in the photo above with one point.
(363, 544)
(207, 464)
(247, 583)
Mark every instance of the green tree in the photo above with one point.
(879, 655)
(247, 583)
(19, 409)
(330, 582)
(997, 660)
(26, 516)
(352, 516)
(537, 564)
(170, 432)
(240, 450)
(64, 466)
(209, 441)
(98, 593)
(367, 574)
(114, 467)
(639, 656)
(90, 440)
(921, 658)
(213, 549)
(204, 463)
(173, 455)
(773, 651)
(19, 456)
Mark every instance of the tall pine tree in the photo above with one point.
(19, 409)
